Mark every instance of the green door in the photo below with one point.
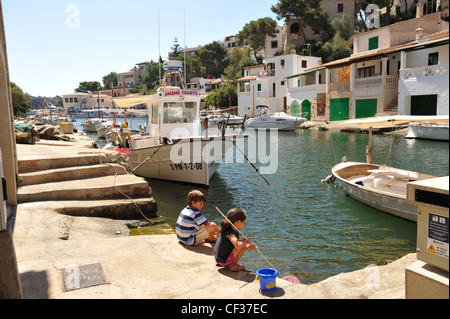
(306, 109)
(339, 109)
(366, 108)
(295, 108)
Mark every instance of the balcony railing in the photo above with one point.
(375, 81)
(267, 73)
(425, 71)
(340, 86)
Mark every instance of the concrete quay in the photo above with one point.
(56, 235)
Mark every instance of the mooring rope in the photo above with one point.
(123, 194)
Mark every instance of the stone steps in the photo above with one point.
(85, 185)
(88, 188)
(71, 173)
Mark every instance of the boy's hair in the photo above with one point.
(233, 216)
(195, 196)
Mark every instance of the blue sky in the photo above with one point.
(53, 45)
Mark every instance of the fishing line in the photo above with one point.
(302, 241)
(245, 156)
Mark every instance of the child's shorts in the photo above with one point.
(229, 261)
(201, 235)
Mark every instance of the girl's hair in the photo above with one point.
(233, 216)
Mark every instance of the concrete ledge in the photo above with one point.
(424, 281)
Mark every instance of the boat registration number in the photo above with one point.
(186, 166)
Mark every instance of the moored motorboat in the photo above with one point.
(90, 125)
(276, 120)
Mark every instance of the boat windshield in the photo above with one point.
(179, 112)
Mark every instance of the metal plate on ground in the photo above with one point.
(77, 277)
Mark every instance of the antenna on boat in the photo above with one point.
(159, 52)
(184, 51)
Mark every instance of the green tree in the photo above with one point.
(194, 67)
(214, 57)
(108, 80)
(88, 86)
(21, 101)
(305, 13)
(223, 97)
(255, 33)
(239, 59)
(151, 77)
(176, 50)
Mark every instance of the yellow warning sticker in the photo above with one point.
(431, 249)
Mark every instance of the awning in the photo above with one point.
(307, 73)
(124, 102)
(247, 79)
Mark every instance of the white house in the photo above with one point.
(86, 101)
(373, 80)
(424, 76)
(266, 83)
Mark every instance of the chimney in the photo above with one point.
(419, 32)
(419, 9)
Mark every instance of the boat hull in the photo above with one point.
(90, 125)
(431, 131)
(274, 122)
(190, 160)
(351, 177)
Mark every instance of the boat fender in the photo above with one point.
(328, 180)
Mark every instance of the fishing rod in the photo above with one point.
(292, 279)
(245, 156)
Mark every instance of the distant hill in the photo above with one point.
(37, 101)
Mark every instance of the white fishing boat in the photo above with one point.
(174, 148)
(104, 128)
(90, 125)
(277, 120)
(381, 187)
(429, 130)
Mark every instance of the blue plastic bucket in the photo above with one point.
(267, 278)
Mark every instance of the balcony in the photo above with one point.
(425, 71)
(266, 73)
(376, 81)
(340, 86)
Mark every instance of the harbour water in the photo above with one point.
(328, 233)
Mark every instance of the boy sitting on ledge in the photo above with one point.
(192, 227)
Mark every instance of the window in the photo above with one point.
(274, 44)
(433, 58)
(304, 64)
(366, 72)
(373, 43)
(67, 100)
(179, 112)
(155, 113)
(75, 100)
(282, 83)
(340, 7)
(259, 87)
